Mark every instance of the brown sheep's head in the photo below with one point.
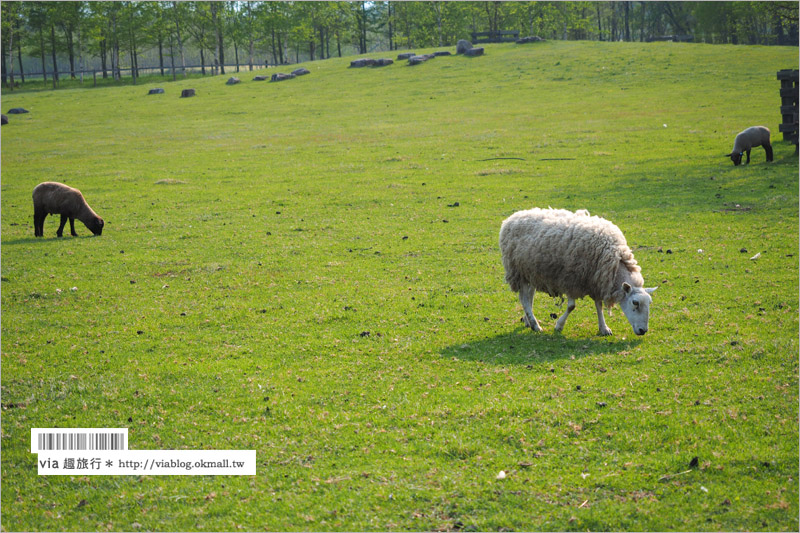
(736, 158)
(96, 226)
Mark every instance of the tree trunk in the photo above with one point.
(19, 57)
(70, 49)
(627, 6)
(251, 50)
(172, 56)
(202, 62)
(641, 29)
(103, 53)
(161, 53)
(274, 49)
(80, 53)
(236, 54)
(180, 43)
(10, 62)
(41, 48)
(213, 7)
(53, 50)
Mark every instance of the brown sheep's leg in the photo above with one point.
(601, 322)
(563, 319)
(72, 227)
(748, 157)
(526, 299)
(38, 223)
(60, 232)
(768, 149)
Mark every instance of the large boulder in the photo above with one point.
(260, 78)
(156, 91)
(531, 39)
(17, 111)
(3, 120)
(186, 93)
(405, 55)
(301, 72)
(462, 46)
(382, 62)
(442, 53)
(472, 52)
(233, 81)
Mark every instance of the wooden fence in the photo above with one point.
(789, 92)
(94, 74)
(499, 36)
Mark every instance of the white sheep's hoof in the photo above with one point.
(605, 332)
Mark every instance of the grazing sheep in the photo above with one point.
(51, 198)
(573, 254)
(748, 139)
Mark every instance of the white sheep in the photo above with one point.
(574, 254)
(52, 198)
(749, 139)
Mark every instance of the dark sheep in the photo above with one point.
(51, 198)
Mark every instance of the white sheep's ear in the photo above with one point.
(650, 290)
(626, 288)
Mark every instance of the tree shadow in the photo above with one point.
(524, 347)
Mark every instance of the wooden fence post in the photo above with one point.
(789, 93)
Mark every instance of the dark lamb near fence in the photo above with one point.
(52, 198)
(747, 140)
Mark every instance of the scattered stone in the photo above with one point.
(462, 46)
(4, 120)
(442, 53)
(405, 55)
(301, 72)
(358, 63)
(156, 91)
(17, 111)
(743, 250)
(233, 81)
(383, 62)
(531, 39)
(473, 52)
(186, 93)
(694, 462)
(280, 76)
(260, 78)
(416, 60)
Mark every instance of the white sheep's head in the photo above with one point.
(636, 306)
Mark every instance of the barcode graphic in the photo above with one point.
(81, 441)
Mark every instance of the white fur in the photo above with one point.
(574, 255)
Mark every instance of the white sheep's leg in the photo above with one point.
(526, 299)
(563, 319)
(601, 323)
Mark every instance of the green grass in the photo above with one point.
(256, 232)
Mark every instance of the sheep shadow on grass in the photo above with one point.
(523, 347)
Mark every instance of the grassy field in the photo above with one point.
(310, 269)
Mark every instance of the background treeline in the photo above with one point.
(53, 40)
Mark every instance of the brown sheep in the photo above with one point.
(51, 198)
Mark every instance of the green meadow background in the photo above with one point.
(310, 269)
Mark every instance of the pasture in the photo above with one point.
(311, 269)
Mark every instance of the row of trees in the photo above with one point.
(110, 36)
